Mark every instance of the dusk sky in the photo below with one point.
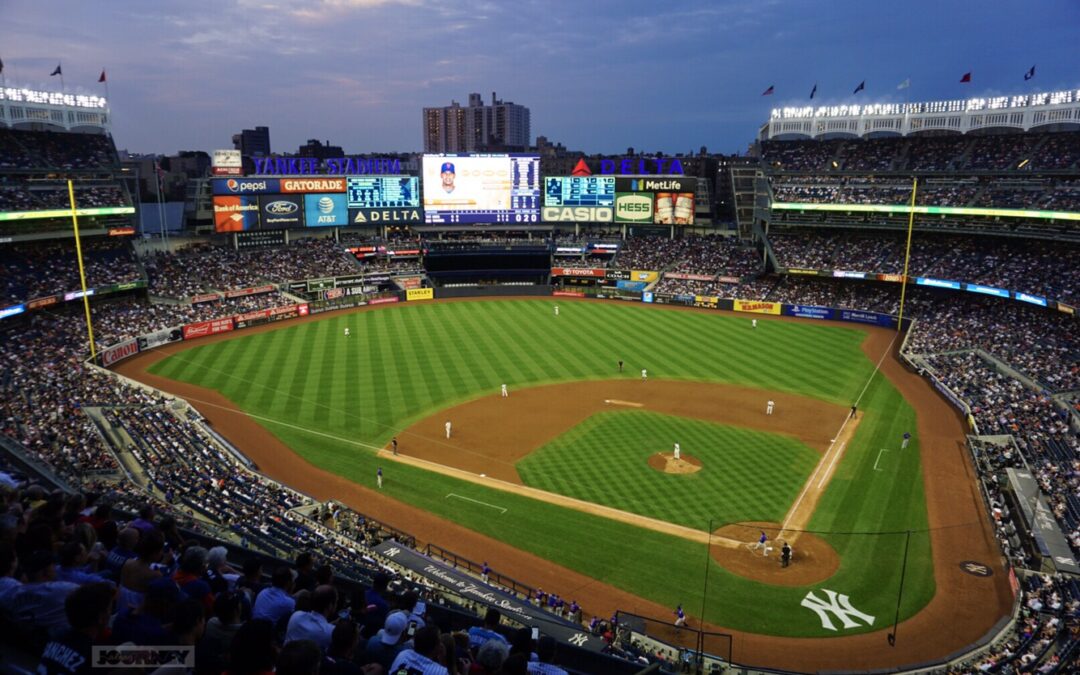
(598, 75)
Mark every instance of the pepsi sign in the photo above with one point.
(280, 212)
(246, 186)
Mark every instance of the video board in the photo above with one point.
(383, 192)
(579, 199)
(481, 188)
(661, 200)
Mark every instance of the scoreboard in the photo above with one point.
(579, 191)
(383, 192)
(481, 188)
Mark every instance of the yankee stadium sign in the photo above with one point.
(335, 166)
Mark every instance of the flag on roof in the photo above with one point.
(769, 91)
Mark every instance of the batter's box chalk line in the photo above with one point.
(477, 501)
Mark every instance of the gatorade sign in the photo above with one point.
(633, 207)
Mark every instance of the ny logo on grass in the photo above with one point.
(838, 604)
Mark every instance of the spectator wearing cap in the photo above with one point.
(315, 624)
(212, 652)
(478, 635)
(87, 610)
(385, 646)
(146, 624)
(545, 650)
(275, 603)
(426, 655)
(39, 603)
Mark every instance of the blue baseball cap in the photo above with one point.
(447, 167)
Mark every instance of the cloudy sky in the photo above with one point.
(598, 75)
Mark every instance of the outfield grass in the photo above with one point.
(405, 362)
(746, 475)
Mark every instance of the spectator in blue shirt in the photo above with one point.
(478, 635)
(73, 568)
(275, 602)
(314, 625)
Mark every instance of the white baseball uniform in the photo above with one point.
(448, 430)
(753, 323)
(768, 408)
(644, 374)
(556, 310)
(346, 332)
(504, 392)
(678, 450)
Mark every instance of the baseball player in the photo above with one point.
(504, 392)
(393, 444)
(620, 365)
(907, 438)
(753, 323)
(680, 617)
(346, 331)
(769, 407)
(484, 572)
(556, 310)
(644, 375)
(762, 543)
(448, 429)
(677, 450)
(378, 477)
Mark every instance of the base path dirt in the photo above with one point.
(666, 462)
(967, 605)
(813, 560)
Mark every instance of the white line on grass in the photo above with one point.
(836, 456)
(475, 501)
(879, 459)
(817, 469)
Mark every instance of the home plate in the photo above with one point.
(612, 401)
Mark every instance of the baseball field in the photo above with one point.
(575, 466)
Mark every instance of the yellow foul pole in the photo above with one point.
(907, 254)
(82, 271)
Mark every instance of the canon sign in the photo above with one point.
(577, 214)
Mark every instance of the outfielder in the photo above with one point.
(378, 477)
(556, 310)
(753, 323)
(677, 450)
(907, 438)
(346, 331)
(644, 375)
(504, 392)
(769, 407)
(448, 429)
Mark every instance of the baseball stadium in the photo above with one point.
(811, 410)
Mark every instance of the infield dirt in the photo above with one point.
(964, 607)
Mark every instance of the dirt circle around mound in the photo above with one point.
(666, 462)
(813, 560)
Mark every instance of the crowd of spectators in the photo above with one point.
(203, 268)
(20, 149)
(36, 270)
(40, 196)
(695, 254)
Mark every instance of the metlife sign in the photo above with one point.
(246, 186)
(633, 208)
(655, 184)
(326, 210)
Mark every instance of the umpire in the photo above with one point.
(785, 555)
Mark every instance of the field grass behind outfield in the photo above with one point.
(746, 475)
(405, 362)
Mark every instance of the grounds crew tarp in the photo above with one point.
(473, 589)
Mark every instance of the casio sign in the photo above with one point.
(580, 214)
(282, 208)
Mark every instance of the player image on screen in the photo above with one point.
(503, 188)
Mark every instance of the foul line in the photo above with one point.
(475, 501)
(828, 470)
(879, 459)
(795, 507)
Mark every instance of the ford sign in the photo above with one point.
(282, 208)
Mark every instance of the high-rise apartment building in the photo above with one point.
(503, 126)
(251, 142)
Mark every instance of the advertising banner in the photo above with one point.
(688, 277)
(379, 216)
(656, 184)
(383, 301)
(161, 337)
(246, 186)
(578, 272)
(409, 282)
(356, 280)
(674, 208)
(728, 280)
(809, 311)
(631, 285)
(1066, 309)
(1033, 299)
(315, 285)
(334, 294)
(579, 199)
(987, 290)
(647, 296)
(204, 328)
(280, 212)
(255, 290)
(205, 297)
(937, 283)
(895, 278)
(706, 301)
(248, 318)
(325, 210)
(118, 352)
(420, 294)
(290, 185)
(578, 214)
(572, 294)
(75, 295)
(38, 303)
(757, 307)
(227, 163)
(845, 274)
(235, 214)
(633, 208)
(644, 275)
(12, 310)
(865, 317)
(121, 231)
(618, 274)
(797, 270)
(260, 238)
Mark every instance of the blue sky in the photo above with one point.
(598, 75)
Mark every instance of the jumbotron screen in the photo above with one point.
(481, 188)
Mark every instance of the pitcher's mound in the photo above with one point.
(666, 462)
(813, 559)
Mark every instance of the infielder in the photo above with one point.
(769, 407)
(393, 443)
(556, 310)
(644, 375)
(677, 450)
(448, 429)
(907, 438)
(378, 477)
(753, 323)
(346, 331)
(504, 392)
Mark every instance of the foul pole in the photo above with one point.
(907, 255)
(82, 270)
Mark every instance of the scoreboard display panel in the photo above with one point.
(481, 188)
(383, 192)
(579, 191)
